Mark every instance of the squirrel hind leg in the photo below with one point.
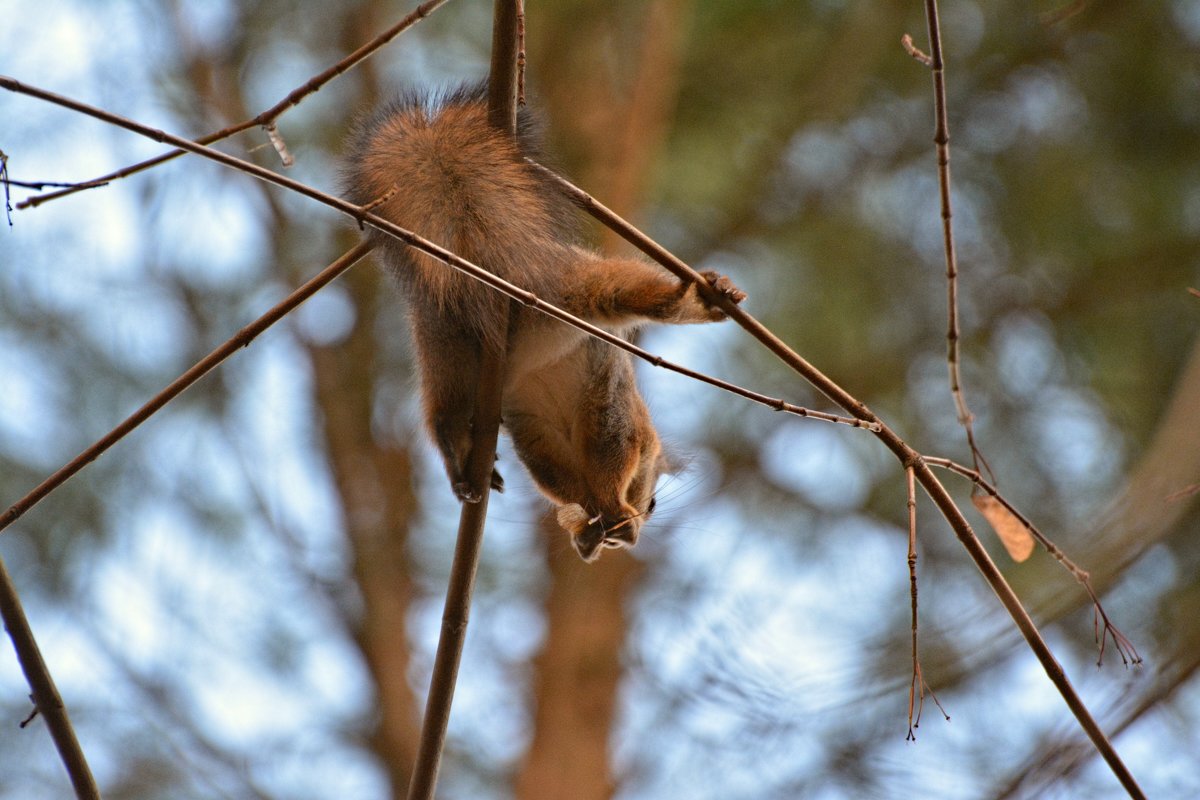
(453, 439)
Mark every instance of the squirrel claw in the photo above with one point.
(464, 492)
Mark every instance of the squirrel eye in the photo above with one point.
(653, 503)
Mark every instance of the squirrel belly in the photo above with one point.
(435, 166)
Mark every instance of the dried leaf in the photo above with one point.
(1013, 533)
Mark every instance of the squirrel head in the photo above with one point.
(617, 524)
(590, 534)
(614, 518)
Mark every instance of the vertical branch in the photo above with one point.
(502, 112)
(917, 686)
(507, 49)
(941, 140)
(46, 699)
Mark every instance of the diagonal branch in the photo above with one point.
(46, 699)
(239, 340)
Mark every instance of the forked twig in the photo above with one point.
(265, 120)
(1104, 629)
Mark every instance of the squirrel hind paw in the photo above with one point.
(463, 491)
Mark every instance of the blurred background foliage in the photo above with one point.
(242, 599)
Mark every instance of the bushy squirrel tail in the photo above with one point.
(455, 179)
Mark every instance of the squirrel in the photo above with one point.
(435, 165)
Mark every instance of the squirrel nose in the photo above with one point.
(623, 535)
(601, 533)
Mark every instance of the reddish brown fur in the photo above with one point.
(570, 404)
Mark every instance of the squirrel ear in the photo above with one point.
(669, 462)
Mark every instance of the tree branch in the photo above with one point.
(241, 339)
(46, 699)
(941, 139)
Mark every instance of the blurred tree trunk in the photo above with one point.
(373, 477)
(578, 673)
(619, 130)
(374, 482)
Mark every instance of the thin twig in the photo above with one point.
(239, 340)
(917, 686)
(4, 180)
(265, 120)
(1104, 628)
(46, 700)
(941, 139)
(856, 408)
(503, 84)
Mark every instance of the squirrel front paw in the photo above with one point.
(724, 287)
